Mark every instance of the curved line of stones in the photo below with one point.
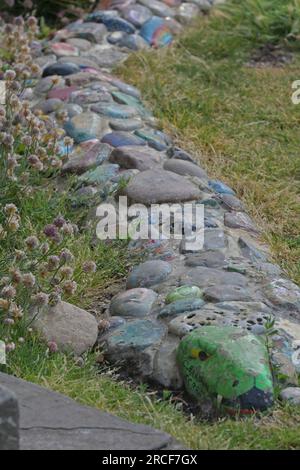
(117, 138)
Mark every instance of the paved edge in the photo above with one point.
(51, 421)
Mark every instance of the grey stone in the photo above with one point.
(180, 306)
(231, 202)
(50, 421)
(133, 303)
(214, 239)
(126, 124)
(92, 32)
(71, 328)
(184, 168)
(251, 250)
(166, 372)
(158, 186)
(284, 294)
(187, 12)
(86, 157)
(134, 157)
(9, 419)
(148, 274)
(245, 315)
(239, 220)
(209, 259)
(205, 277)
(291, 395)
(227, 293)
(134, 346)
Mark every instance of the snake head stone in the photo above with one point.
(227, 362)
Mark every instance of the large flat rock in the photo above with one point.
(50, 421)
(159, 186)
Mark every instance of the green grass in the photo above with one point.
(238, 121)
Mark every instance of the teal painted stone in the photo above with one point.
(220, 187)
(78, 135)
(135, 336)
(181, 306)
(133, 303)
(154, 138)
(114, 111)
(124, 98)
(149, 274)
(86, 126)
(156, 32)
(125, 88)
(210, 203)
(184, 292)
(114, 23)
(100, 175)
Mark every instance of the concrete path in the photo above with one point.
(50, 421)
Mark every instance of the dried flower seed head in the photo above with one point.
(41, 299)
(28, 279)
(50, 231)
(66, 255)
(70, 287)
(53, 262)
(59, 221)
(89, 267)
(14, 223)
(67, 229)
(54, 298)
(9, 347)
(9, 292)
(10, 75)
(52, 346)
(32, 243)
(4, 304)
(10, 209)
(16, 275)
(67, 272)
(15, 311)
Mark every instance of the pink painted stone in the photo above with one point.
(62, 49)
(62, 93)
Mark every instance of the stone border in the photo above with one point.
(116, 138)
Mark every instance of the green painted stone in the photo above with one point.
(227, 362)
(124, 98)
(101, 174)
(184, 292)
(210, 203)
(136, 336)
(180, 306)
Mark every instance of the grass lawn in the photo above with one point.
(242, 126)
(238, 120)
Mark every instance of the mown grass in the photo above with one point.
(239, 121)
